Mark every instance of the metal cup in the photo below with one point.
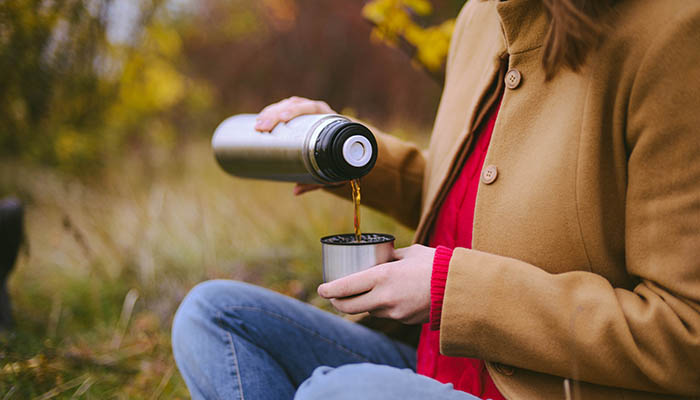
(343, 256)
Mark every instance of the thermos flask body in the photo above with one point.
(320, 148)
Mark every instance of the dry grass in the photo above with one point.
(110, 258)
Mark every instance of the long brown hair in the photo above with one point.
(576, 28)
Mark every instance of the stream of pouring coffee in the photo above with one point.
(355, 183)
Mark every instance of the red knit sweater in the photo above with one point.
(453, 228)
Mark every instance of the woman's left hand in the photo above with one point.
(398, 290)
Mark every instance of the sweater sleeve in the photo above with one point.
(441, 264)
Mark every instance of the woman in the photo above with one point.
(557, 217)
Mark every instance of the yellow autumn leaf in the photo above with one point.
(420, 7)
(393, 20)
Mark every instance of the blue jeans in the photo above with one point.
(232, 340)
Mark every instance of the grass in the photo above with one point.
(110, 257)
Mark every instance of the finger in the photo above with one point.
(324, 108)
(357, 283)
(269, 117)
(301, 188)
(320, 106)
(297, 108)
(288, 109)
(368, 302)
(265, 124)
(272, 108)
(293, 107)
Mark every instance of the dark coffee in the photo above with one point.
(356, 197)
(365, 238)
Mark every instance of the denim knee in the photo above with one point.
(352, 381)
(374, 382)
(199, 341)
(199, 310)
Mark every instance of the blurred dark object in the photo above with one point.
(11, 234)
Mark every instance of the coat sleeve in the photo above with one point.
(395, 184)
(577, 324)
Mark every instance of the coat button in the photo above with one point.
(489, 174)
(513, 78)
(504, 369)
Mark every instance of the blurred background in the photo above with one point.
(106, 112)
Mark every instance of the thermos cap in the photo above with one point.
(357, 151)
(344, 150)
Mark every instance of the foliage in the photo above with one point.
(70, 93)
(85, 80)
(395, 24)
(44, 74)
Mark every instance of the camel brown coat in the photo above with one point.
(586, 260)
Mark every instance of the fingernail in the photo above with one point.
(265, 125)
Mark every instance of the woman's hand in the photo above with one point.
(288, 109)
(398, 290)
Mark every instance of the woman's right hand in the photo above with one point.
(288, 109)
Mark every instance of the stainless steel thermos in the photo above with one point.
(320, 148)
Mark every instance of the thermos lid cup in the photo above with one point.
(343, 256)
